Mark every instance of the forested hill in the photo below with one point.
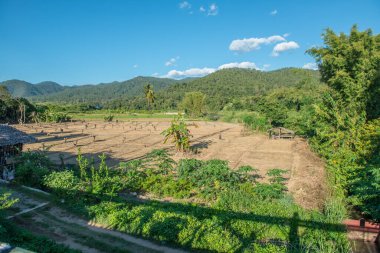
(106, 91)
(53, 92)
(225, 86)
(219, 87)
(229, 83)
(20, 88)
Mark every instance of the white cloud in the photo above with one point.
(284, 46)
(213, 10)
(199, 72)
(184, 5)
(243, 65)
(193, 72)
(250, 44)
(202, 9)
(286, 35)
(156, 74)
(274, 12)
(172, 61)
(310, 65)
(135, 66)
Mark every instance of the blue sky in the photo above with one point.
(91, 41)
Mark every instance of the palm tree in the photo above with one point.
(149, 94)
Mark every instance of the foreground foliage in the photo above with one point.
(347, 123)
(231, 211)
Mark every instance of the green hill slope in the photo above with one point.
(53, 92)
(20, 88)
(49, 87)
(242, 82)
(225, 86)
(220, 88)
(105, 91)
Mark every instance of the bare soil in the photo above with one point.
(125, 141)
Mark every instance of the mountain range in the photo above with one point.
(223, 83)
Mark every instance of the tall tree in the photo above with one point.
(346, 130)
(149, 94)
(193, 103)
(350, 65)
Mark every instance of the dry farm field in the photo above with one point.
(128, 140)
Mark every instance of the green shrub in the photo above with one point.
(58, 117)
(246, 224)
(61, 182)
(159, 161)
(186, 167)
(240, 215)
(132, 175)
(31, 169)
(256, 122)
(109, 118)
(179, 134)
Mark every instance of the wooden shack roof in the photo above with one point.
(11, 136)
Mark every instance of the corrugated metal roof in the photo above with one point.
(12, 136)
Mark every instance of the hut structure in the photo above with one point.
(281, 133)
(11, 144)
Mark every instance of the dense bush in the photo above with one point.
(241, 226)
(31, 168)
(61, 183)
(256, 122)
(193, 103)
(98, 180)
(239, 215)
(13, 110)
(57, 117)
(133, 175)
(345, 130)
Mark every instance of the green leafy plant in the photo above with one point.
(32, 167)
(256, 122)
(6, 200)
(132, 175)
(109, 118)
(160, 161)
(62, 182)
(179, 133)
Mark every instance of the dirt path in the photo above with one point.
(77, 233)
(307, 182)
